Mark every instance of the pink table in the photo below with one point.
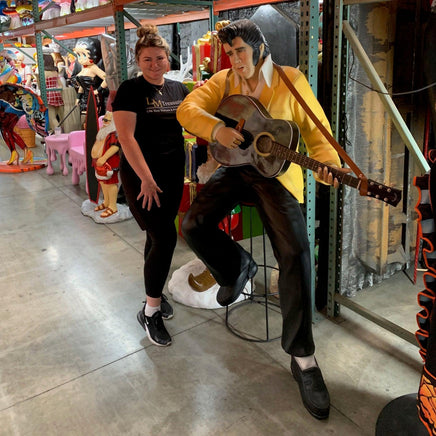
(59, 144)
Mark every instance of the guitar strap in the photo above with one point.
(363, 188)
(227, 89)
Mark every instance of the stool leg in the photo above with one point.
(64, 167)
(265, 284)
(251, 249)
(75, 176)
(50, 158)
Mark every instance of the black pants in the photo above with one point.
(285, 225)
(159, 222)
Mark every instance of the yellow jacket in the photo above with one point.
(196, 115)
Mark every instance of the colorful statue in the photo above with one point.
(426, 317)
(88, 51)
(23, 70)
(106, 159)
(8, 72)
(15, 101)
(73, 68)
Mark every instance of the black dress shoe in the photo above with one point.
(313, 390)
(229, 294)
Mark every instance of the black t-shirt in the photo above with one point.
(157, 130)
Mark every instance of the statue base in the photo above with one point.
(122, 214)
(400, 418)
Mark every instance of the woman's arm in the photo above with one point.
(125, 123)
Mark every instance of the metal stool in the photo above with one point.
(254, 296)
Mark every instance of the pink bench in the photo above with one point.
(74, 143)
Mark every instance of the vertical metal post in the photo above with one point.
(309, 31)
(176, 53)
(338, 107)
(121, 44)
(212, 17)
(39, 54)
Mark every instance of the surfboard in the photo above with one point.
(91, 135)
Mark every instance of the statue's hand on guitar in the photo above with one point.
(327, 177)
(228, 137)
(251, 137)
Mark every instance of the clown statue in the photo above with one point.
(88, 51)
(105, 155)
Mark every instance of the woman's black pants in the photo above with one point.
(159, 222)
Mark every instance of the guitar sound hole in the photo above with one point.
(264, 144)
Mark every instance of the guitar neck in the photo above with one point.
(269, 146)
(377, 190)
(312, 164)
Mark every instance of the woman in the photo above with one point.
(152, 168)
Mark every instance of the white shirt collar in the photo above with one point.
(265, 72)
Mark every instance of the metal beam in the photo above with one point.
(377, 319)
(361, 2)
(121, 46)
(131, 18)
(39, 54)
(336, 196)
(7, 41)
(309, 27)
(386, 99)
(58, 42)
(212, 17)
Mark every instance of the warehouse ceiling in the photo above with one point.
(100, 19)
(153, 11)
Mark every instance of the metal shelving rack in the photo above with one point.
(117, 16)
(344, 39)
(112, 17)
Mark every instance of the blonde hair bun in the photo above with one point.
(147, 29)
(149, 36)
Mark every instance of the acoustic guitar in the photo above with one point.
(269, 146)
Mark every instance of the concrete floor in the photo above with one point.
(75, 361)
